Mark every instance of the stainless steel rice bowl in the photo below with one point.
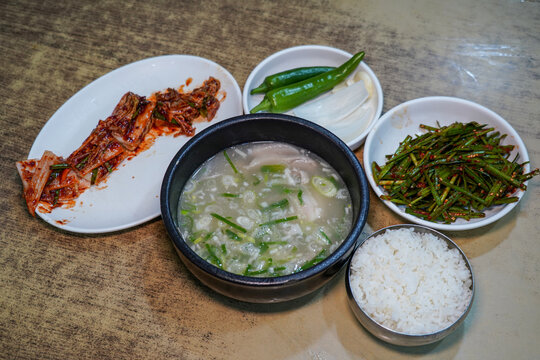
(385, 333)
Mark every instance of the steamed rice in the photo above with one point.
(410, 282)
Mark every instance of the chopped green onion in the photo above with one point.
(214, 259)
(229, 195)
(258, 272)
(232, 235)
(248, 271)
(300, 192)
(317, 259)
(108, 166)
(195, 236)
(279, 204)
(203, 110)
(273, 169)
(56, 196)
(83, 162)
(324, 186)
(276, 270)
(333, 181)
(188, 206)
(264, 245)
(136, 113)
(278, 221)
(264, 270)
(248, 268)
(229, 161)
(200, 238)
(256, 180)
(228, 222)
(94, 176)
(186, 221)
(281, 188)
(325, 237)
(157, 114)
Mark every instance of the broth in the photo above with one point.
(265, 209)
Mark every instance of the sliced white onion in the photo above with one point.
(352, 125)
(334, 106)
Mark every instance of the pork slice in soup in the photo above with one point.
(265, 209)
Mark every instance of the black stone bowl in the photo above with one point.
(264, 127)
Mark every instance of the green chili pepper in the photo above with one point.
(289, 96)
(289, 77)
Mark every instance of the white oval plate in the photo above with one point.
(405, 119)
(130, 196)
(316, 55)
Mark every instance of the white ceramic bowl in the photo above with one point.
(405, 119)
(315, 55)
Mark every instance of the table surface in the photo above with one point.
(127, 294)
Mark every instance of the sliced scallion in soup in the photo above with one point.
(265, 209)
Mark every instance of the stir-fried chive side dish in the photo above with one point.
(451, 172)
(53, 181)
(286, 97)
(264, 209)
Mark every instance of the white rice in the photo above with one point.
(410, 282)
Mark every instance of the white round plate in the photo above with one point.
(316, 55)
(130, 196)
(405, 119)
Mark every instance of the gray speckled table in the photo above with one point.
(127, 295)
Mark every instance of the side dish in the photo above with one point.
(410, 282)
(265, 209)
(136, 121)
(289, 96)
(451, 172)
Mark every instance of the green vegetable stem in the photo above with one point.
(290, 96)
(451, 172)
(289, 77)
